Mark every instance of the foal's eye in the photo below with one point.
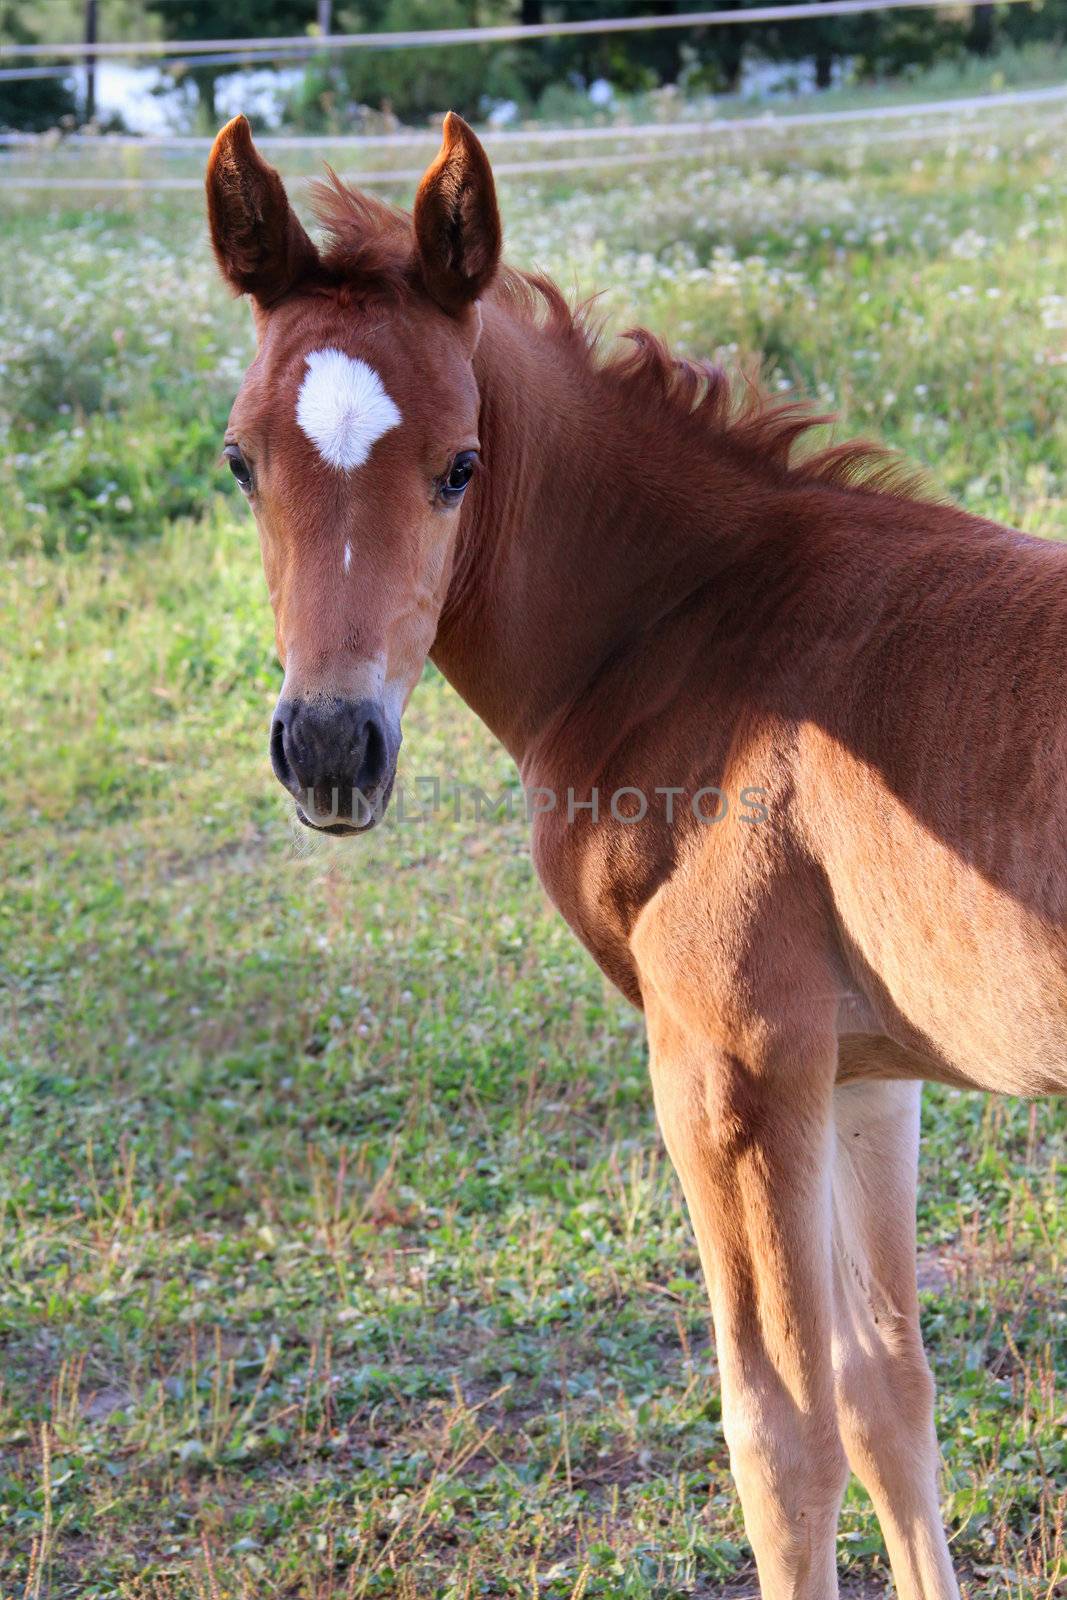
(239, 467)
(458, 475)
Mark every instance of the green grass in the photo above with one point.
(339, 1254)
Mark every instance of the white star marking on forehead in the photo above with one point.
(343, 408)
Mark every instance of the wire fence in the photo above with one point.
(829, 123)
(767, 122)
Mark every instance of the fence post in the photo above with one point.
(90, 60)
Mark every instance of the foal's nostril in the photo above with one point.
(375, 755)
(279, 760)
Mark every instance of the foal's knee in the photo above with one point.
(884, 1392)
(787, 1457)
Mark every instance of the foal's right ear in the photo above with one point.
(261, 246)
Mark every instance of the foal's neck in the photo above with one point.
(574, 544)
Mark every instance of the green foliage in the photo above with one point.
(35, 104)
(1027, 24)
(906, 43)
(413, 84)
(187, 19)
(419, 83)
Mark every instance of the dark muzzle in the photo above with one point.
(337, 759)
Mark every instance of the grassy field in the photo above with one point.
(339, 1254)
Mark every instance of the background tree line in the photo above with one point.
(414, 84)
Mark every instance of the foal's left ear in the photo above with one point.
(261, 246)
(457, 224)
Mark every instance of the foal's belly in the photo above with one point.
(963, 970)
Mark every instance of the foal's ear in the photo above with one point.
(260, 244)
(457, 224)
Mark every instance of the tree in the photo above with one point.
(630, 61)
(191, 19)
(31, 105)
(1025, 24)
(983, 31)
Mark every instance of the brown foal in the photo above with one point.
(656, 610)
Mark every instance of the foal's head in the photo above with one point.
(354, 437)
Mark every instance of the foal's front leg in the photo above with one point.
(750, 1133)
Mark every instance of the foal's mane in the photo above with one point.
(368, 254)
